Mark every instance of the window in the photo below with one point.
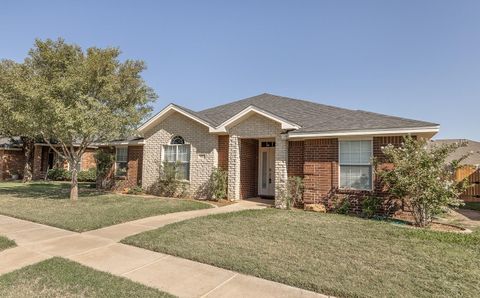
(178, 153)
(356, 165)
(121, 161)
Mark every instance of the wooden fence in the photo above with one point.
(472, 194)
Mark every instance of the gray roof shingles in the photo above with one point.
(472, 148)
(312, 117)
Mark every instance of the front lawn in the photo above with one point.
(328, 253)
(48, 203)
(58, 277)
(6, 243)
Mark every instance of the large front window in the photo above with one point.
(121, 161)
(356, 165)
(177, 153)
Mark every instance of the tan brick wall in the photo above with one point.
(248, 168)
(256, 126)
(204, 156)
(11, 162)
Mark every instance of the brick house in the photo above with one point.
(262, 140)
(127, 169)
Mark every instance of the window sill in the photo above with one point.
(120, 177)
(355, 191)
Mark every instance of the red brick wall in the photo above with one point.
(295, 158)
(320, 168)
(88, 159)
(37, 162)
(248, 168)
(135, 163)
(223, 152)
(11, 162)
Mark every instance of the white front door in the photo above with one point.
(266, 168)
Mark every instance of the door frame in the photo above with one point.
(270, 191)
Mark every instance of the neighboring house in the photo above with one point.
(262, 140)
(12, 157)
(470, 166)
(127, 168)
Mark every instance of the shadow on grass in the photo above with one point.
(46, 190)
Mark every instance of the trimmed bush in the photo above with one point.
(89, 175)
(59, 174)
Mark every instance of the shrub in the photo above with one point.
(292, 195)
(421, 176)
(341, 204)
(137, 190)
(59, 174)
(89, 175)
(167, 184)
(218, 185)
(104, 161)
(370, 206)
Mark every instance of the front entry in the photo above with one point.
(266, 168)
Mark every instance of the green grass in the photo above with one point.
(6, 243)
(327, 253)
(472, 206)
(58, 277)
(48, 203)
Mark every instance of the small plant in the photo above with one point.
(218, 185)
(292, 195)
(167, 184)
(104, 161)
(136, 190)
(89, 175)
(370, 206)
(341, 204)
(59, 174)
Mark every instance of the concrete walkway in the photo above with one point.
(100, 249)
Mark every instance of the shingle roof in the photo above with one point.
(472, 147)
(312, 117)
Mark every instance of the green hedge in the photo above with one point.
(61, 174)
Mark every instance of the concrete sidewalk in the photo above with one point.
(99, 249)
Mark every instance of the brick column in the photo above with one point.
(233, 168)
(281, 175)
(37, 162)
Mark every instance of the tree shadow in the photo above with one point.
(44, 190)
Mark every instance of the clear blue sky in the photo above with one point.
(418, 59)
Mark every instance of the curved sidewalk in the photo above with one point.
(99, 249)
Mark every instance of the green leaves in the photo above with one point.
(421, 176)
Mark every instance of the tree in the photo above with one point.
(14, 121)
(76, 98)
(421, 176)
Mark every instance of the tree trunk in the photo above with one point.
(74, 186)
(27, 169)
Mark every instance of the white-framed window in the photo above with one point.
(121, 161)
(178, 153)
(356, 164)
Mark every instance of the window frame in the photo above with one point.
(117, 162)
(176, 146)
(370, 164)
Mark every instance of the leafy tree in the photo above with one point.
(14, 121)
(420, 175)
(74, 98)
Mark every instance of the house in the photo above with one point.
(12, 157)
(262, 140)
(259, 141)
(470, 166)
